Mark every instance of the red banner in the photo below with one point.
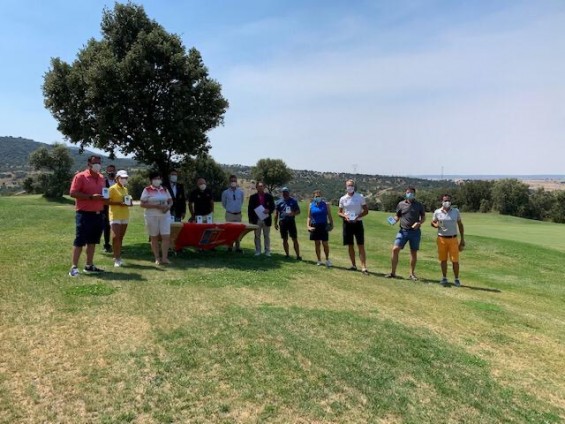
(208, 236)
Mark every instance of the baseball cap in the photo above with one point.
(285, 189)
(122, 174)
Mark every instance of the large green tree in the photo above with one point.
(511, 197)
(204, 166)
(54, 165)
(273, 172)
(136, 91)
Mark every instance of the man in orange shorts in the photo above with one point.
(447, 220)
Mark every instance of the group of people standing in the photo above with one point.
(102, 206)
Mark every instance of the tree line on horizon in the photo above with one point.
(139, 92)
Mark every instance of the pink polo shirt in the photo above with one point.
(87, 183)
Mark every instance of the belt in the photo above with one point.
(447, 236)
(235, 213)
(89, 212)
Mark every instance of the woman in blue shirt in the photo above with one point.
(319, 223)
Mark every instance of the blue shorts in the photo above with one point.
(405, 236)
(89, 227)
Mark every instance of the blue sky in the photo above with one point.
(400, 87)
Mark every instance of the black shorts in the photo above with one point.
(351, 230)
(320, 232)
(89, 228)
(288, 227)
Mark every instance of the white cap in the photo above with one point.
(122, 174)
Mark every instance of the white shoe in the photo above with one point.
(329, 263)
(257, 253)
(268, 254)
(319, 263)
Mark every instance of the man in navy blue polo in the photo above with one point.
(285, 211)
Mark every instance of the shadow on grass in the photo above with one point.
(117, 276)
(213, 259)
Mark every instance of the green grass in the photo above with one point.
(219, 337)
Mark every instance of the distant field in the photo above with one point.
(219, 337)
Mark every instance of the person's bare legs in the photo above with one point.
(155, 247)
(165, 241)
(394, 259)
(77, 250)
(296, 247)
(90, 248)
(443, 265)
(362, 256)
(351, 248)
(455, 269)
(318, 250)
(326, 250)
(413, 260)
(285, 246)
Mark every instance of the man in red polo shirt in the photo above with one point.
(87, 190)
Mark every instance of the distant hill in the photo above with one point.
(15, 152)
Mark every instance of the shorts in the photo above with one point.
(413, 236)
(288, 227)
(320, 232)
(353, 230)
(448, 246)
(119, 221)
(158, 225)
(89, 228)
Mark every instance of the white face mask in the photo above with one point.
(156, 183)
(446, 204)
(173, 178)
(96, 167)
(202, 187)
(233, 184)
(350, 189)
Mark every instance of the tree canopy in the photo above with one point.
(273, 173)
(136, 91)
(55, 164)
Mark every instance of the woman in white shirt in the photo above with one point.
(157, 202)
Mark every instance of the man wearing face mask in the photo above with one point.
(86, 189)
(285, 211)
(352, 208)
(110, 180)
(447, 220)
(411, 215)
(201, 200)
(232, 201)
(178, 194)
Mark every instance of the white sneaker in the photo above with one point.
(319, 263)
(329, 263)
(74, 271)
(268, 254)
(257, 253)
(117, 263)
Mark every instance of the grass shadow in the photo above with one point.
(117, 276)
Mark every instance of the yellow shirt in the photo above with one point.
(117, 194)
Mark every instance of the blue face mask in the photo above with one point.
(317, 199)
(410, 196)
